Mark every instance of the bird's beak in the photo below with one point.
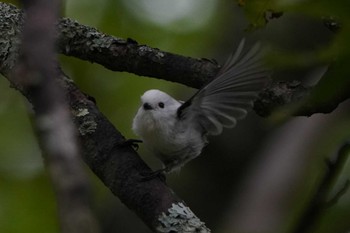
(147, 106)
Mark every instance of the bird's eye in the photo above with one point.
(161, 104)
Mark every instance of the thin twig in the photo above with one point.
(339, 194)
(319, 203)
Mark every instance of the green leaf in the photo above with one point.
(259, 13)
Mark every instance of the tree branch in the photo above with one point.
(118, 54)
(117, 165)
(35, 72)
(278, 95)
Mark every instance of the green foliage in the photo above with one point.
(27, 203)
(14, 2)
(20, 209)
(259, 13)
(335, 54)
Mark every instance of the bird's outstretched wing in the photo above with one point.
(230, 95)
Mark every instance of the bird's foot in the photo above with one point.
(160, 174)
(133, 143)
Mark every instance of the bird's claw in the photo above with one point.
(133, 143)
(160, 174)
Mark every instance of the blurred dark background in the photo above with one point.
(257, 177)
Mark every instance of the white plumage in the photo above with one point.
(176, 131)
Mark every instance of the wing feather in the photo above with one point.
(230, 95)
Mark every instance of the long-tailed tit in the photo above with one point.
(177, 131)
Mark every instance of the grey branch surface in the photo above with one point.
(118, 54)
(117, 165)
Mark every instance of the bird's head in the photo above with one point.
(158, 101)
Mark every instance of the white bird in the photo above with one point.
(176, 131)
